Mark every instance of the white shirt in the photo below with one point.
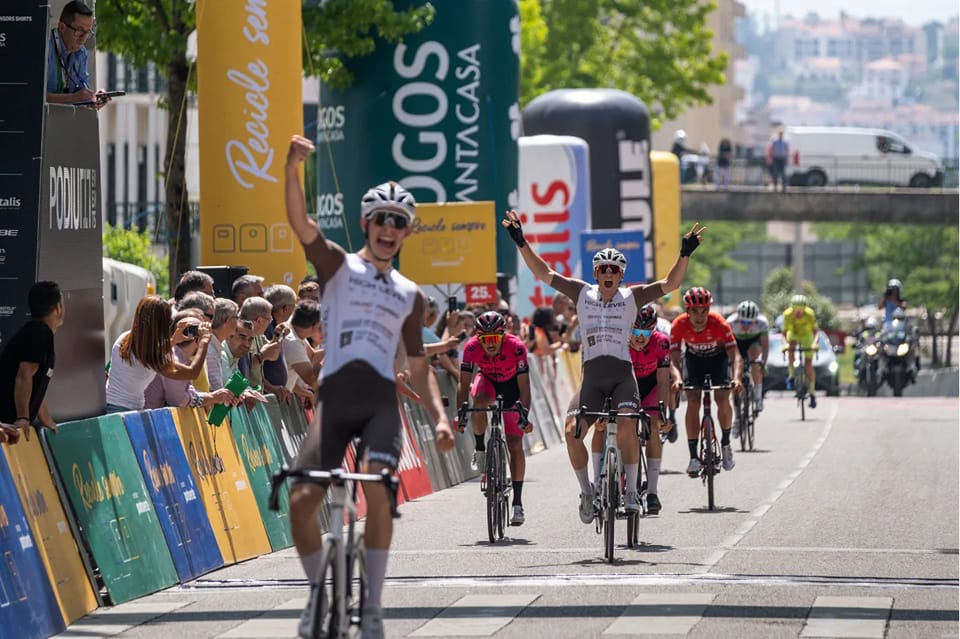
(127, 381)
(605, 326)
(214, 372)
(363, 315)
(294, 352)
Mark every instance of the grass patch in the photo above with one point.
(845, 362)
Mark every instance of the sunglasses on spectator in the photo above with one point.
(640, 332)
(490, 339)
(381, 218)
(609, 268)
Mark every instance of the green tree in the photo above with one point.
(133, 247)
(658, 50)
(923, 257)
(778, 289)
(713, 256)
(156, 31)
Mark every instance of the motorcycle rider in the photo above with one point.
(891, 300)
(870, 329)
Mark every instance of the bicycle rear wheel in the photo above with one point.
(493, 493)
(611, 500)
(751, 416)
(739, 404)
(503, 501)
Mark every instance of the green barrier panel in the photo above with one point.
(111, 503)
(289, 424)
(260, 452)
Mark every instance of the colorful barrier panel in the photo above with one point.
(290, 425)
(261, 456)
(107, 492)
(175, 495)
(224, 487)
(51, 530)
(28, 607)
(414, 479)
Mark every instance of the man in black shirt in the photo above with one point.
(26, 365)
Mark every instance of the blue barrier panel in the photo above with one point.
(28, 607)
(176, 498)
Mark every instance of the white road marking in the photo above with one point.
(268, 626)
(661, 613)
(848, 617)
(476, 615)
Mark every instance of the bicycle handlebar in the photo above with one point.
(583, 413)
(336, 477)
(516, 408)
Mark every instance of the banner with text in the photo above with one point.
(630, 243)
(23, 37)
(554, 209)
(249, 76)
(438, 112)
(452, 243)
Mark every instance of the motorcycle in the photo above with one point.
(900, 357)
(867, 361)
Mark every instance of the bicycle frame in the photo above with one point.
(800, 382)
(334, 615)
(709, 447)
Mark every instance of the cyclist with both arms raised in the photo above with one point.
(752, 331)
(501, 360)
(711, 348)
(606, 312)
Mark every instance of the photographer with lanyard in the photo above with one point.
(606, 312)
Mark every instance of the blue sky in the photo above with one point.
(914, 12)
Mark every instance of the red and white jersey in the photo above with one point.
(715, 338)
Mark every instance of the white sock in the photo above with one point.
(653, 475)
(311, 566)
(596, 466)
(583, 476)
(376, 573)
(632, 470)
(759, 387)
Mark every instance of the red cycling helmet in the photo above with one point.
(646, 317)
(697, 297)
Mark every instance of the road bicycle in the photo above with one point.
(709, 449)
(611, 484)
(745, 405)
(801, 385)
(498, 486)
(343, 578)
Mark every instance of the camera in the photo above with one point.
(192, 330)
(889, 291)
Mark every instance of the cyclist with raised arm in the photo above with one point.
(800, 328)
(606, 312)
(752, 331)
(368, 309)
(708, 348)
(501, 361)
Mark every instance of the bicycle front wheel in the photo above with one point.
(493, 493)
(610, 505)
(502, 483)
(326, 615)
(751, 416)
(708, 442)
(742, 411)
(356, 586)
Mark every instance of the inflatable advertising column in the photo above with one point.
(437, 112)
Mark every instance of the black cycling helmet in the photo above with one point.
(490, 322)
(646, 317)
(697, 296)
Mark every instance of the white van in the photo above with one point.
(821, 155)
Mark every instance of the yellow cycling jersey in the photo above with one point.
(806, 324)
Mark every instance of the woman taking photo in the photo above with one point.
(145, 350)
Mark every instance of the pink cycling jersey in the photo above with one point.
(656, 354)
(510, 362)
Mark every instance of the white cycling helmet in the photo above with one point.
(798, 300)
(748, 310)
(680, 135)
(894, 283)
(610, 256)
(388, 196)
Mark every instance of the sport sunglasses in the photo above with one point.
(489, 339)
(381, 218)
(609, 268)
(640, 332)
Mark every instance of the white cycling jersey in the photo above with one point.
(760, 326)
(363, 315)
(605, 327)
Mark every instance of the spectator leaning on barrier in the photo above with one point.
(165, 391)
(223, 326)
(259, 311)
(235, 348)
(246, 286)
(282, 300)
(203, 304)
(302, 366)
(26, 365)
(145, 350)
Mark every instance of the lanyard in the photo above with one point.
(65, 74)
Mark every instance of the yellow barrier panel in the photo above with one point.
(572, 365)
(224, 487)
(48, 523)
(666, 212)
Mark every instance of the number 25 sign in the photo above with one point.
(481, 293)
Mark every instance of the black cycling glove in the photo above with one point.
(516, 233)
(689, 244)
